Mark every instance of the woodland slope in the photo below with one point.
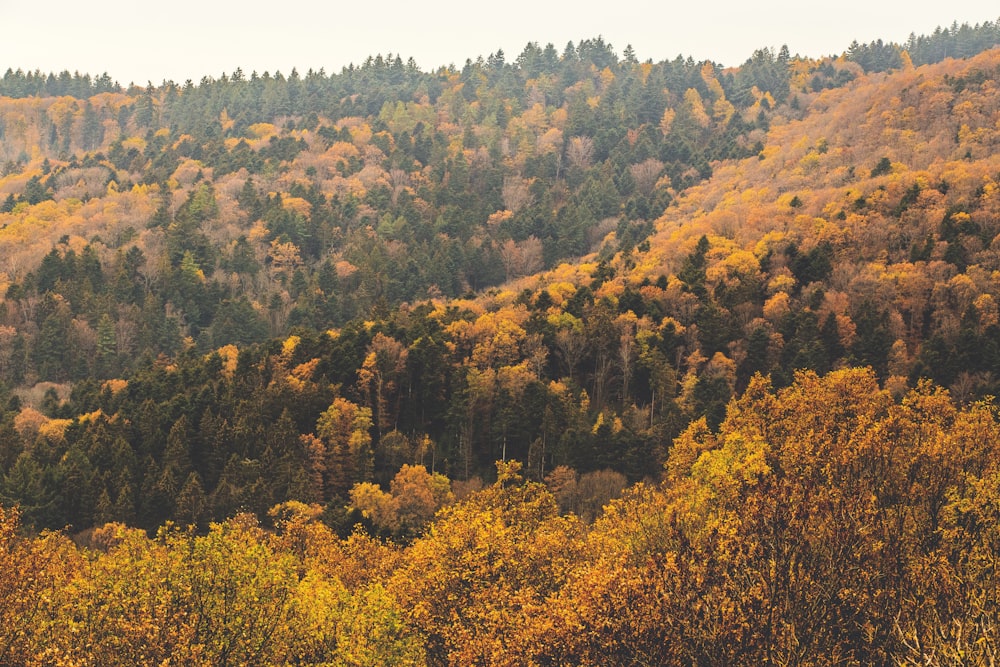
(644, 363)
(225, 296)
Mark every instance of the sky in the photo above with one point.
(144, 42)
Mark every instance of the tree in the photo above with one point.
(33, 572)
(380, 375)
(107, 347)
(345, 429)
(693, 270)
(502, 551)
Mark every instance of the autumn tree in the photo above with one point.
(345, 429)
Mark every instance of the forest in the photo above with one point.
(574, 359)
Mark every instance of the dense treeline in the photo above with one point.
(247, 205)
(956, 41)
(147, 228)
(278, 202)
(824, 523)
(148, 372)
(391, 78)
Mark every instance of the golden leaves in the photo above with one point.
(827, 503)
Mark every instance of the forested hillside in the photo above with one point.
(230, 211)
(157, 238)
(827, 523)
(645, 363)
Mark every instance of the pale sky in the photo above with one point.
(188, 39)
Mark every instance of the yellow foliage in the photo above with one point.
(559, 117)
(262, 130)
(361, 134)
(777, 306)
(114, 385)
(28, 422)
(498, 217)
(342, 150)
(564, 320)
(561, 291)
(598, 423)
(611, 289)
(696, 108)
(89, 417)
(373, 503)
(986, 306)
(550, 142)
(781, 283)
(345, 269)
(284, 256)
(229, 355)
(54, 430)
(136, 142)
(741, 262)
(667, 120)
(722, 110)
(288, 347)
(300, 379)
(296, 205)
